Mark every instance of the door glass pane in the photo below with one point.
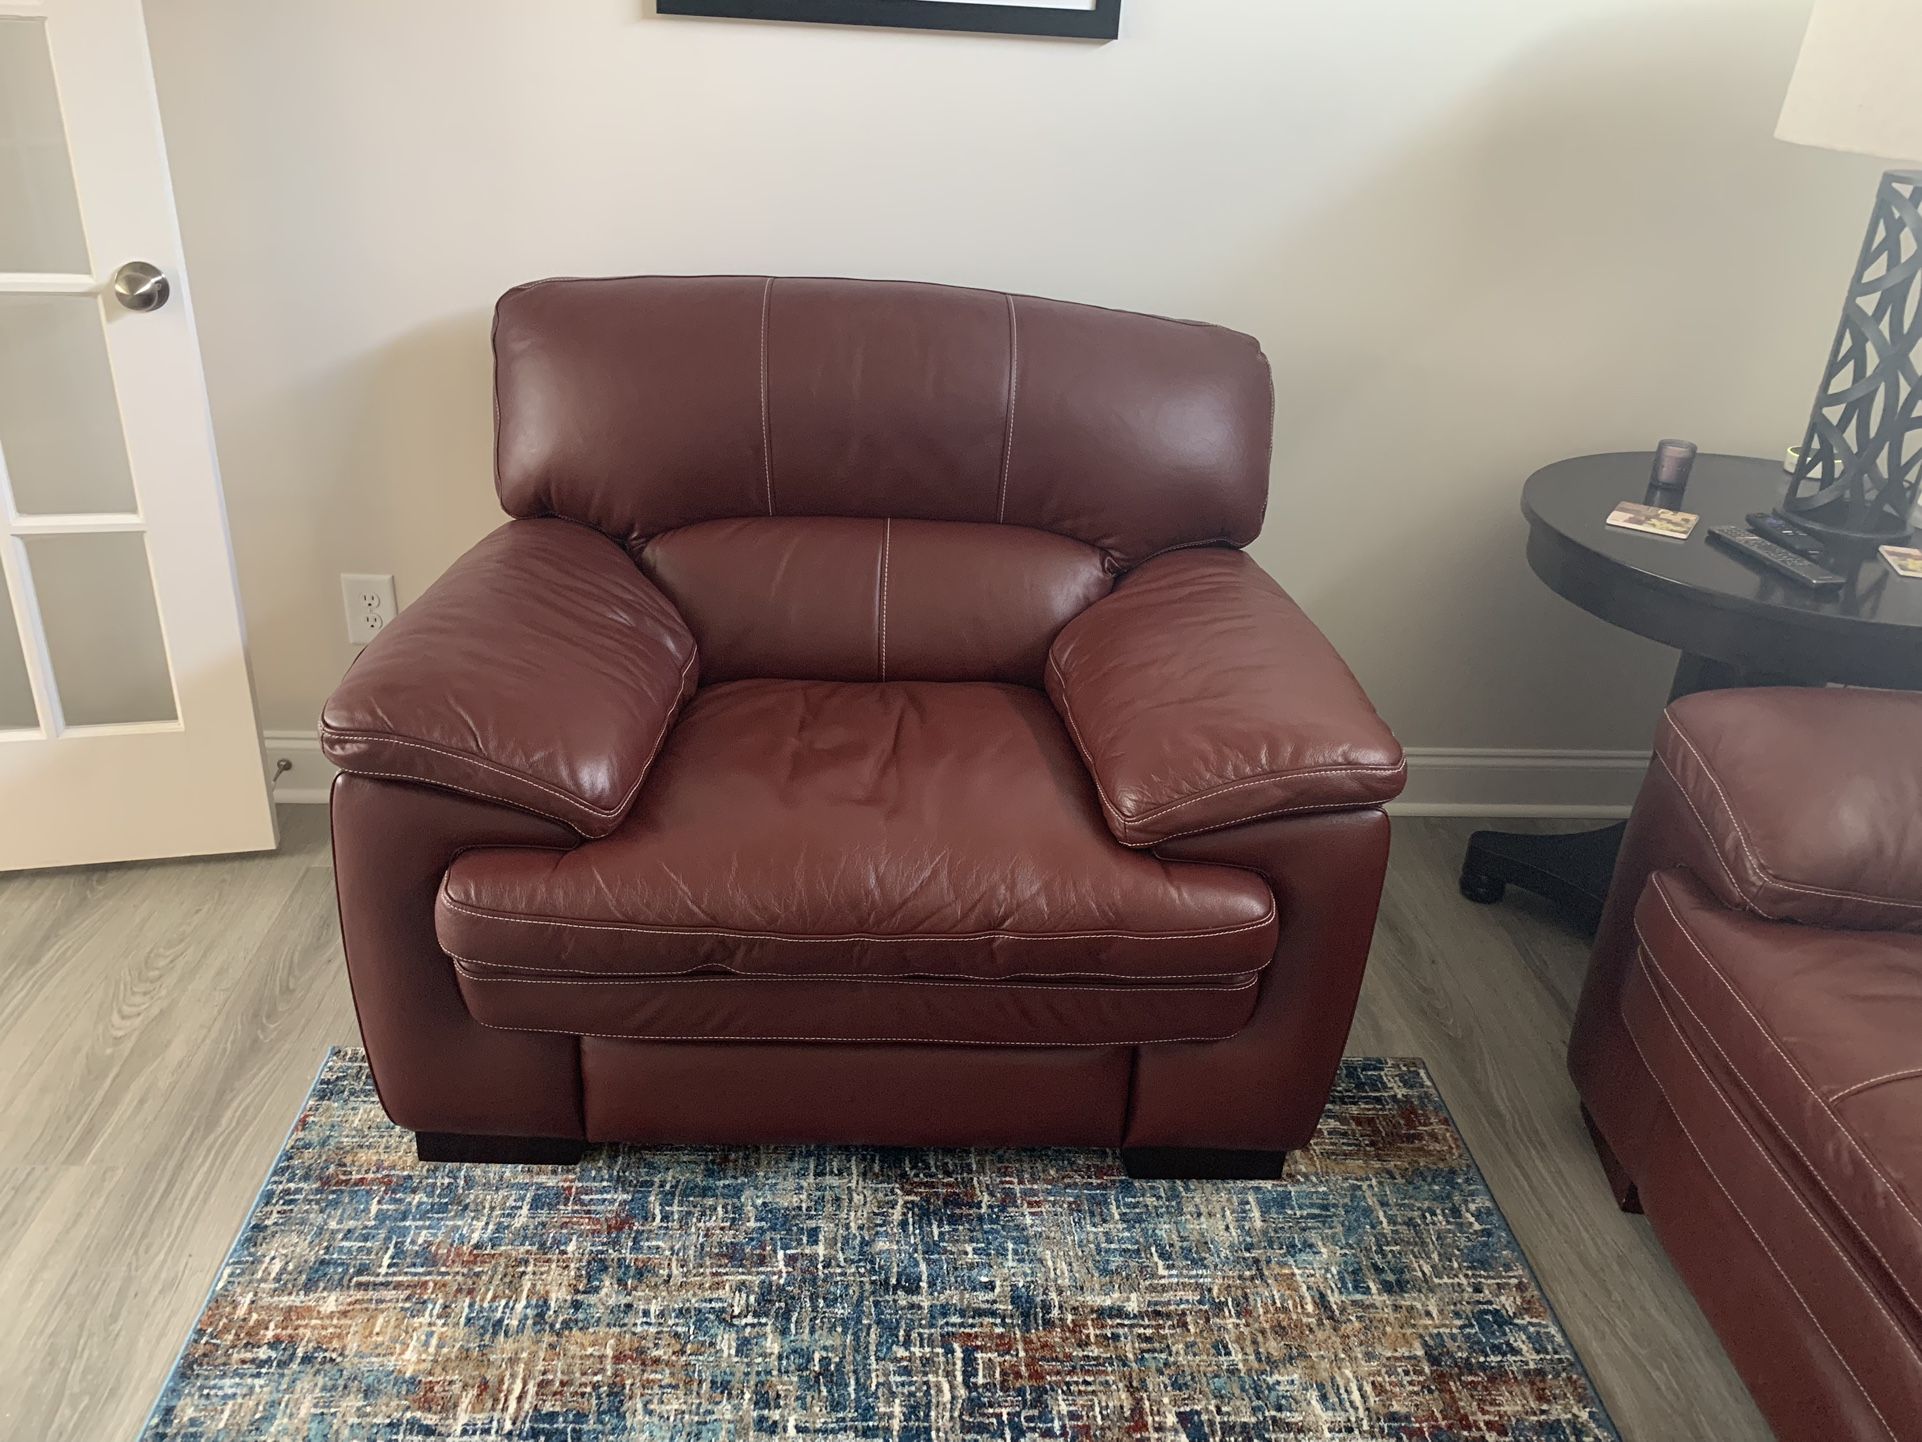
(39, 213)
(16, 695)
(59, 420)
(102, 627)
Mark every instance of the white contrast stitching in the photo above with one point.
(667, 725)
(1769, 875)
(1087, 758)
(583, 924)
(1908, 1074)
(462, 963)
(722, 971)
(1287, 775)
(1714, 846)
(378, 738)
(1774, 1166)
(1754, 1232)
(1123, 823)
(468, 758)
(767, 441)
(1646, 956)
(1840, 1126)
(466, 791)
(1014, 391)
(1319, 806)
(887, 534)
(853, 1040)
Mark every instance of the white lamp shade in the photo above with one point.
(1858, 81)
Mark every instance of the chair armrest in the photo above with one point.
(1200, 696)
(542, 671)
(1809, 801)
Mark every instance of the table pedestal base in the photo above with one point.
(1572, 869)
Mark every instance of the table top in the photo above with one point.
(1700, 599)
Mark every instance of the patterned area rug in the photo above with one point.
(712, 1295)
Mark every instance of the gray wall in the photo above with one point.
(1475, 235)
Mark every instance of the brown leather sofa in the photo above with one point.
(1749, 1043)
(866, 730)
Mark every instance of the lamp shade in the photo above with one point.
(1857, 86)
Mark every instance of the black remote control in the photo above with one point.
(1779, 559)
(1767, 523)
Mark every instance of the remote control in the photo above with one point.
(1767, 523)
(1779, 559)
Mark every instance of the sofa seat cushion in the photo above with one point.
(809, 860)
(1815, 1036)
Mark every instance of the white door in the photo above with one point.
(126, 716)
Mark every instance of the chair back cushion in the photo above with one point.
(643, 405)
(825, 598)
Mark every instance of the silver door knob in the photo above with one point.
(140, 286)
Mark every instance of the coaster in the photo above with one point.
(1653, 520)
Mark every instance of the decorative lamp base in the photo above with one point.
(1860, 467)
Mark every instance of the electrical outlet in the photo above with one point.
(370, 606)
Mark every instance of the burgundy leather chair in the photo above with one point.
(1749, 1043)
(866, 730)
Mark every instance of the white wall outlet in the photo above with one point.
(370, 606)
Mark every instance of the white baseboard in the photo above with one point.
(1441, 781)
(308, 773)
(1456, 781)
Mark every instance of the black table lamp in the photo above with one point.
(1857, 86)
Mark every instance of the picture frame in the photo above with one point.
(1099, 20)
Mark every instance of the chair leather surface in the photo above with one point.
(1201, 696)
(1807, 798)
(914, 1012)
(542, 671)
(823, 598)
(825, 861)
(642, 404)
(772, 630)
(1821, 1032)
(1747, 1042)
(860, 830)
(863, 1093)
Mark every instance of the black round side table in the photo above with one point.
(1735, 625)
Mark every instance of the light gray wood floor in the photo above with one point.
(160, 1023)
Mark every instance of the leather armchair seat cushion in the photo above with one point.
(809, 860)
(1816, 1036)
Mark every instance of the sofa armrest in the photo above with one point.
(1200, 696)
(1808, 801)
(542, 671)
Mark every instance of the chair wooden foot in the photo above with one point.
(1201, 1164)
(527, 1151)
(1620, 1184)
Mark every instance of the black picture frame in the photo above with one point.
(1103, 22)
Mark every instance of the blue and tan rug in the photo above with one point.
(714, 1295)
